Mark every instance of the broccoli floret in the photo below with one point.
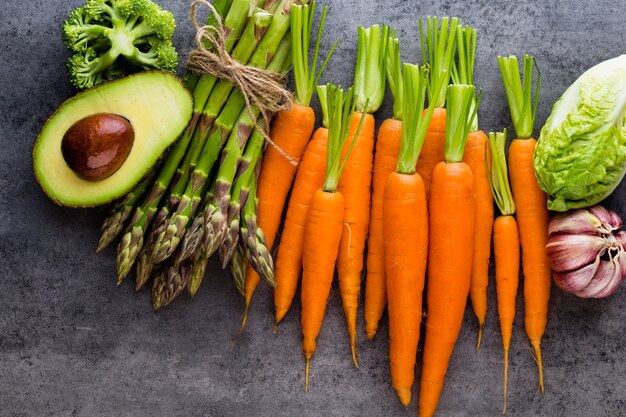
(113, 38)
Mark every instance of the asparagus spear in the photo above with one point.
(237, 267)
(158, 289)
(192, 238)
(133, 240)
(257, 252)
(143, 270)
(197, 272)
(114, 222)
(274, 48)
(240, 192)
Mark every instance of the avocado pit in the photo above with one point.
(96, 146)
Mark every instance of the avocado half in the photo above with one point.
(158, 107)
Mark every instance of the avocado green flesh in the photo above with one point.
(155, 103)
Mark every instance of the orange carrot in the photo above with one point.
(369, 85)
(451, 222)
(385, 158)
(324, 222)
(474, 156)
(507, 256)
(405, 237)
(506, 246)
(433, 149)
(291, 131)
(438, 51)
(531, 202)
(310, 178)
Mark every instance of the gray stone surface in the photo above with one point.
(73, 343)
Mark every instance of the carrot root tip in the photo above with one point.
(353, 349)
(536, 344)
(280, 314)
(506, 373)
(480, 337)
(404, 394)
(244, 320)
(306, 374)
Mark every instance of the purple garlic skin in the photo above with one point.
(568, 252)
(586, 252)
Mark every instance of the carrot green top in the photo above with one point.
(458, 120)
(463, 66)
(323, 97)
(394, 74)
(438, 45)
(370, 74)
(499, 178)
(301, 30)
(519, 93)
(415, 123)
(340, 109)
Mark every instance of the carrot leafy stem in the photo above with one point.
(519, 93)
(394, 74)
(305, 75)
(438, 46)
(499, 177)
(323, 98)
(370, 73)
(340, 109)
(463, 66)
(459, 119)
(415, 123)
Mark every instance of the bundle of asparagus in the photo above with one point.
(194, 206)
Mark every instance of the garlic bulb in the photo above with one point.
(586, 252)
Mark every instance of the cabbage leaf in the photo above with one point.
(580, 156)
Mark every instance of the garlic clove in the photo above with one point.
(605, 281)
(569, 252)
(578, 221)
(609, 218)
(621, 238)
(574, 281)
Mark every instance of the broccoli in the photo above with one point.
(113, 38)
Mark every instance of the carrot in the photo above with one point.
(506, 246)
(438, 51)
(310, 177)
(290, 133)
(387, 148)
(451, 220)
(474, 156)
(405, 236)
(531, 202)
(369, 86)
(324, 223)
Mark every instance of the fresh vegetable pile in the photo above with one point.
(410, 207)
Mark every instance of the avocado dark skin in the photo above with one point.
(96, 146)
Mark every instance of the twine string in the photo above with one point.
(260, 88)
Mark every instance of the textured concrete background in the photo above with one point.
(72, 343)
